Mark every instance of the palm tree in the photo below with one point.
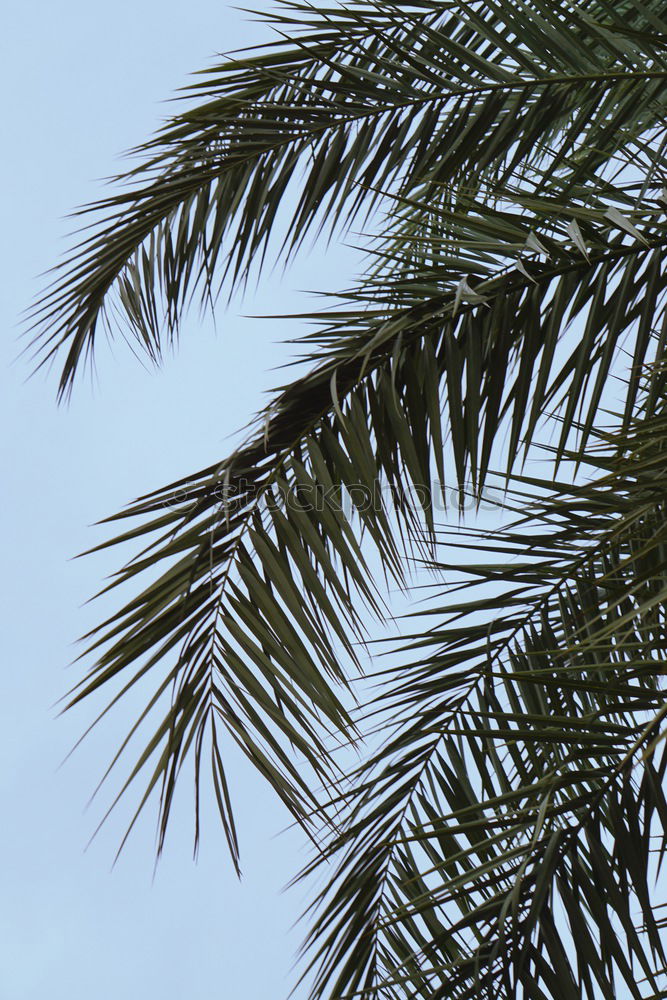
(503, 827)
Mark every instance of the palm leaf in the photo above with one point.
(520, 782)
(360, 98)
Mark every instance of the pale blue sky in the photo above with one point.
(82, 83)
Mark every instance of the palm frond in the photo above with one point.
(350, 101)
(503, 839)
(370, 419)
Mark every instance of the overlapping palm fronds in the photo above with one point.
(505, 838)
(506, 160)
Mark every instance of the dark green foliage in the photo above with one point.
(503, 832)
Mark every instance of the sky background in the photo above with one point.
(83, 82)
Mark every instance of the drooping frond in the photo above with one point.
(367, 424)
(350, 101)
